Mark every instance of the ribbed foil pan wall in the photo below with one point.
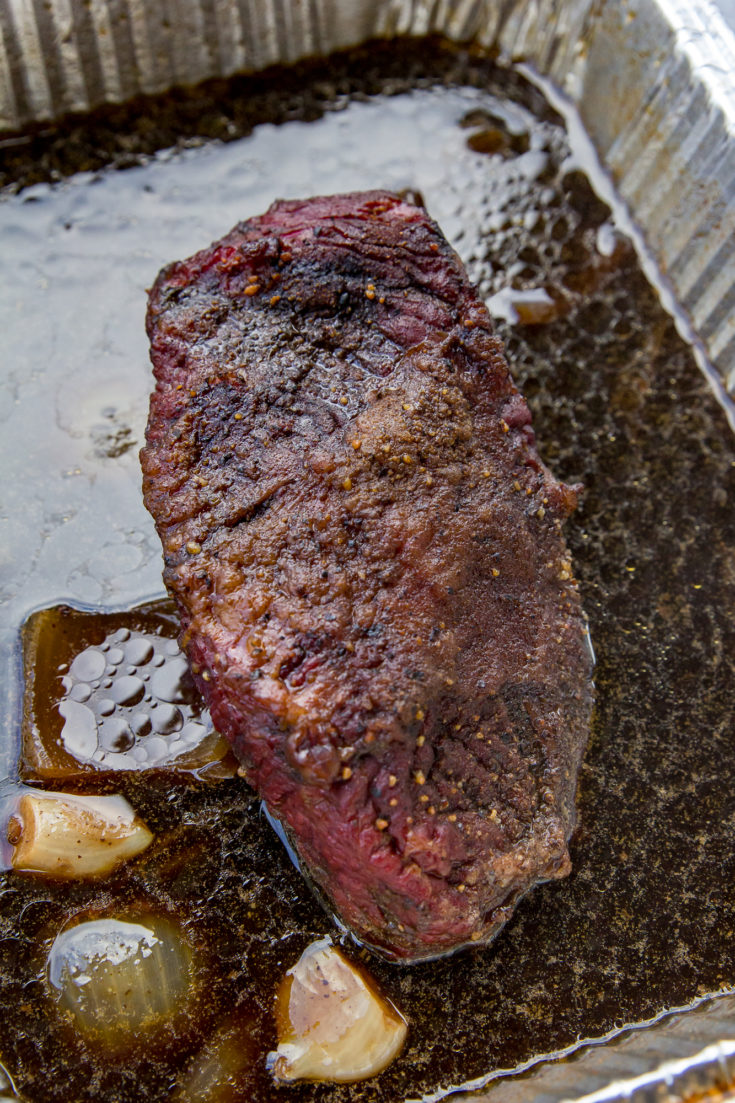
(652, 79)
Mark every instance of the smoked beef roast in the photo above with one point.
(366, 552)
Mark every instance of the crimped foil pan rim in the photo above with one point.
(685, 1053)
(716, 1062)
(651, 80)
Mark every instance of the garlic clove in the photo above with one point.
(119, 979)
(69, 836)
(332, 1023)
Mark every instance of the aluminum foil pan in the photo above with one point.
(651, 83)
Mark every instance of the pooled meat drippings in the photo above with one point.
(366, 552)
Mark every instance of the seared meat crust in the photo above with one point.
(366, 551)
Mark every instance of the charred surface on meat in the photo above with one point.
(366, 552)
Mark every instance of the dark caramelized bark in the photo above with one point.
(366, 551)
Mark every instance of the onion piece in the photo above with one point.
(332, 1023)
(69, 836)
(119, 979)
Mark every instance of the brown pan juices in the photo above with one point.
(644, 921)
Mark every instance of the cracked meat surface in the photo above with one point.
(375, 594)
